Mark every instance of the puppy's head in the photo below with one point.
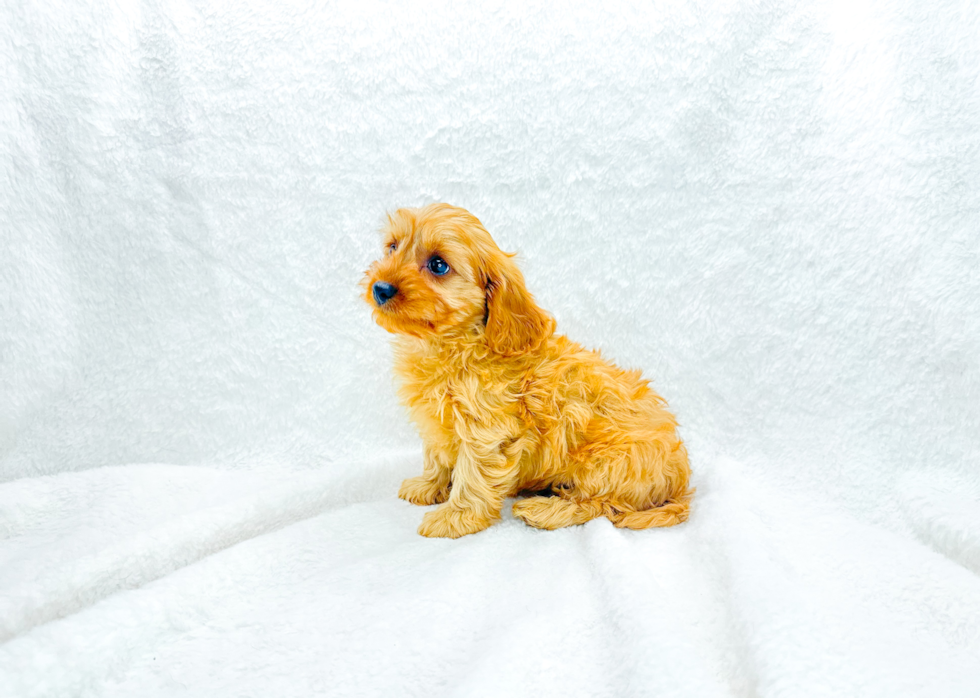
(442, 272)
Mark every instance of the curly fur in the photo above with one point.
(506, 406)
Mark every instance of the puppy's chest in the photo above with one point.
(429, 391)
(445, 391)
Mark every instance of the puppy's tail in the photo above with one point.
(670, 513)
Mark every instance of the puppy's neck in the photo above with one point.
(453, 348)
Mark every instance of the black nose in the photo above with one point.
(383, 292)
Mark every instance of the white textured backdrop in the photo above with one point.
(773, 208)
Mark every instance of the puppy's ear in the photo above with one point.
(514, 322)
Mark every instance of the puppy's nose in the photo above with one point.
(383, 292)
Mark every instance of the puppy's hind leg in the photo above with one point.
(669, 514)
(556, 512)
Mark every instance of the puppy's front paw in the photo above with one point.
(447, 521)
(423, 491)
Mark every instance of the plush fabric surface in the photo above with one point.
(772, 208)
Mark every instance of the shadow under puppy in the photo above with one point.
(502, 403)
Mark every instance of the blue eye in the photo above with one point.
(438, 266)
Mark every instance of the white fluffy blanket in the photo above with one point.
(772, 208)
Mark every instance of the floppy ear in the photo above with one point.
(514, 322)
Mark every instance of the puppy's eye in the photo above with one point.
(392, 246)
(437, 265)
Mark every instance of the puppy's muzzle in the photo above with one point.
(383, 292)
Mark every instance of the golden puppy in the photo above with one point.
(503, 404)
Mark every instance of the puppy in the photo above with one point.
(503, 404)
